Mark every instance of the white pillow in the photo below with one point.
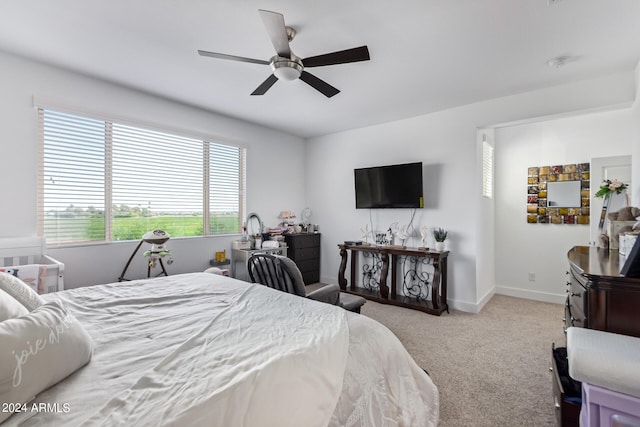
(9, 307)
(38, 350)
(20, 291)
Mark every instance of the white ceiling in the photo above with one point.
(426, 55)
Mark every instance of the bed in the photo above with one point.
(204, 349)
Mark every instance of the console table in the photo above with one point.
(414, 280)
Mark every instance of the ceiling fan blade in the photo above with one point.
(320, 85)
(264, 87)
(355, 54)
(232, 57)
(274, 23)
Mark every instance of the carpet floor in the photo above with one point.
(491, 368)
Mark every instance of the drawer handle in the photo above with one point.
(574, 294)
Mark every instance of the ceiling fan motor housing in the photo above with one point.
(286, 68)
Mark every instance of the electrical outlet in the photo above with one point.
(532, 277)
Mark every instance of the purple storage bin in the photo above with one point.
(602, 407)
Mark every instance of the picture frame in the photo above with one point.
(631, 266)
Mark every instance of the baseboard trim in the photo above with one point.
(467, 307)
(486, 298)
(532, 295)
(470, 307)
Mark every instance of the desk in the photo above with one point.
(422, 290)
(243, 256)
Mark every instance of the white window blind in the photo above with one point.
(105, 181)
(225, 181)
(487, 170)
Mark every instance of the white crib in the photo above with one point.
(28, 253)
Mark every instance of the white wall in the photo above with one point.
(522, 248)
(484, 226)
(448, 174)
(635, 155)
(21, 80)
(446, 142)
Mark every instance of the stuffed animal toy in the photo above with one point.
(12, 271)
(628, 213)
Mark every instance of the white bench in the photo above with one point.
(608, 365)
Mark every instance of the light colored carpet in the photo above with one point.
(491, 368)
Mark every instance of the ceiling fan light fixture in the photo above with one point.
(286, 69)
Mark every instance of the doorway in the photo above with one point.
(603, 168)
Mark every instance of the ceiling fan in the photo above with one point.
(286, 65)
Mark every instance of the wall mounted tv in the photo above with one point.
(393, 186)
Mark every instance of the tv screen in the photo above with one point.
(393, 186)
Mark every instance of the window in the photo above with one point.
(487, 170)
(106, 181)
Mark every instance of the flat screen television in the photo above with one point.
(392, 186)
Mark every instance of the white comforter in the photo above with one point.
(202, 349)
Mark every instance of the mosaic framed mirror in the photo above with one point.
(558, 194)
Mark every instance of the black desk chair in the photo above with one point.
(281, 273)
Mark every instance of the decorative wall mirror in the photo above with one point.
(558, 194)
(254, 224)
(563, 194)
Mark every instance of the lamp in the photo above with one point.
(287, 69)
(157, 238)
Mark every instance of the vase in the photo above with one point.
(440, 246)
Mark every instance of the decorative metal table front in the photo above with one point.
(423, 274)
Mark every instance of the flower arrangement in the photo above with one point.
(609, 187)
(440, 234)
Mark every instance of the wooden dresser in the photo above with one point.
(304, 250)
(598, 297)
